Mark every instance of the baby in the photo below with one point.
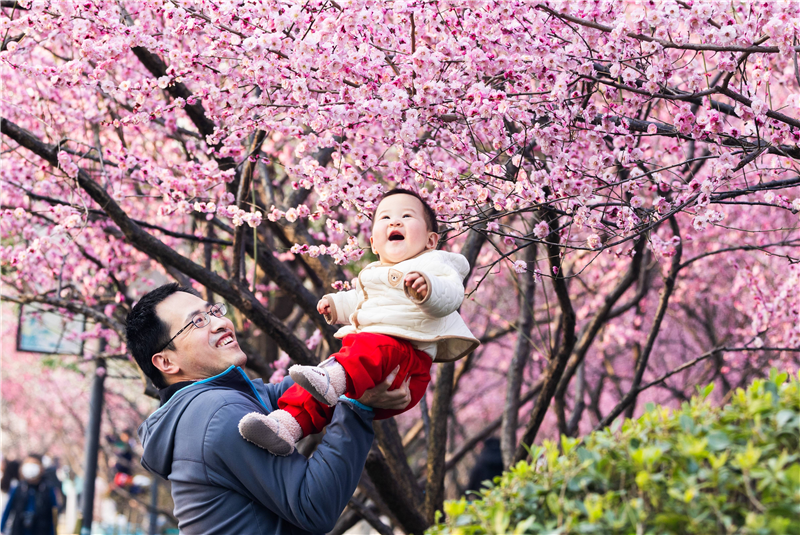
(402, 312)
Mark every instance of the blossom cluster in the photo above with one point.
(611, 116)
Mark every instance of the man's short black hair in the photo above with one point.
(147, 333)
(427, 211)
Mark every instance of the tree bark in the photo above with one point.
(522, 351)
(558, 363)
(405, 510)
(391, 445)
(367, 514)
(437, 441)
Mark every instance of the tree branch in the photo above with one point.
(437, 441)
(663, 304)
(599, 320)
(241, 202)
(391, 445)
(403, 507)
(552, 374)
(469, 444)
(764, 186)
(371, 518)
(238, 297)
(287, 281)
(522, 351)
(663, 43)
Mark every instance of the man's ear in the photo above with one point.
(164, 364)
(433, 240)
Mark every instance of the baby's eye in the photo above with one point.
(407, 215)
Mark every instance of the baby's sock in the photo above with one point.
(325, 382)
(338, 375)
(276, 432)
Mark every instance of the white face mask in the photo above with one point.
(30, 470)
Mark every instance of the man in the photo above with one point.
(220, 482)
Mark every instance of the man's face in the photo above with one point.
(199, 353)
(399, 231)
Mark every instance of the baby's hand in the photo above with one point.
(323, 307)
(416, 282)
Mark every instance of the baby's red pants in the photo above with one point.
(367, 358)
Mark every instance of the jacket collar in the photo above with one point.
(378, 263)
(165, 393)
(233, 378)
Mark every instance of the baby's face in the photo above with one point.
(399, 231)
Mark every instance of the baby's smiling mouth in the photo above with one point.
(396, 235)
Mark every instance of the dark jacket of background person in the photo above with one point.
(30, 510)
(10, 476)
(487, 467)
(50, 477)
(223, 484)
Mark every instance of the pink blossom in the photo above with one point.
(758, 106)
(541, 230)
(726, 34)
(498, 116)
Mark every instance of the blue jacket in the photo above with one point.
(39, 500)
(223, 484)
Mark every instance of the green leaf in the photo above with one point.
(501, 519)
(594, 507)
(552, 503)
(568, 444)
(523, 526)
(718, 441)
(777, 378)
(748, 458)
(695, 470)
(793, 476)
(686, 423)
(784, 417)
(586, 455)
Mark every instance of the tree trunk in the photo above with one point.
(522, 351)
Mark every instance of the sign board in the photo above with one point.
(47, 331)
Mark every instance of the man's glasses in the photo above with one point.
(200, 320)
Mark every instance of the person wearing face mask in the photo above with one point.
(32, 507)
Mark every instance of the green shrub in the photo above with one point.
(700, 469)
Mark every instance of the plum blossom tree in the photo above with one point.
(621, 175)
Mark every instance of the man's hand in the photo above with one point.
(323, 307)
(416, 282)
(380, 397)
